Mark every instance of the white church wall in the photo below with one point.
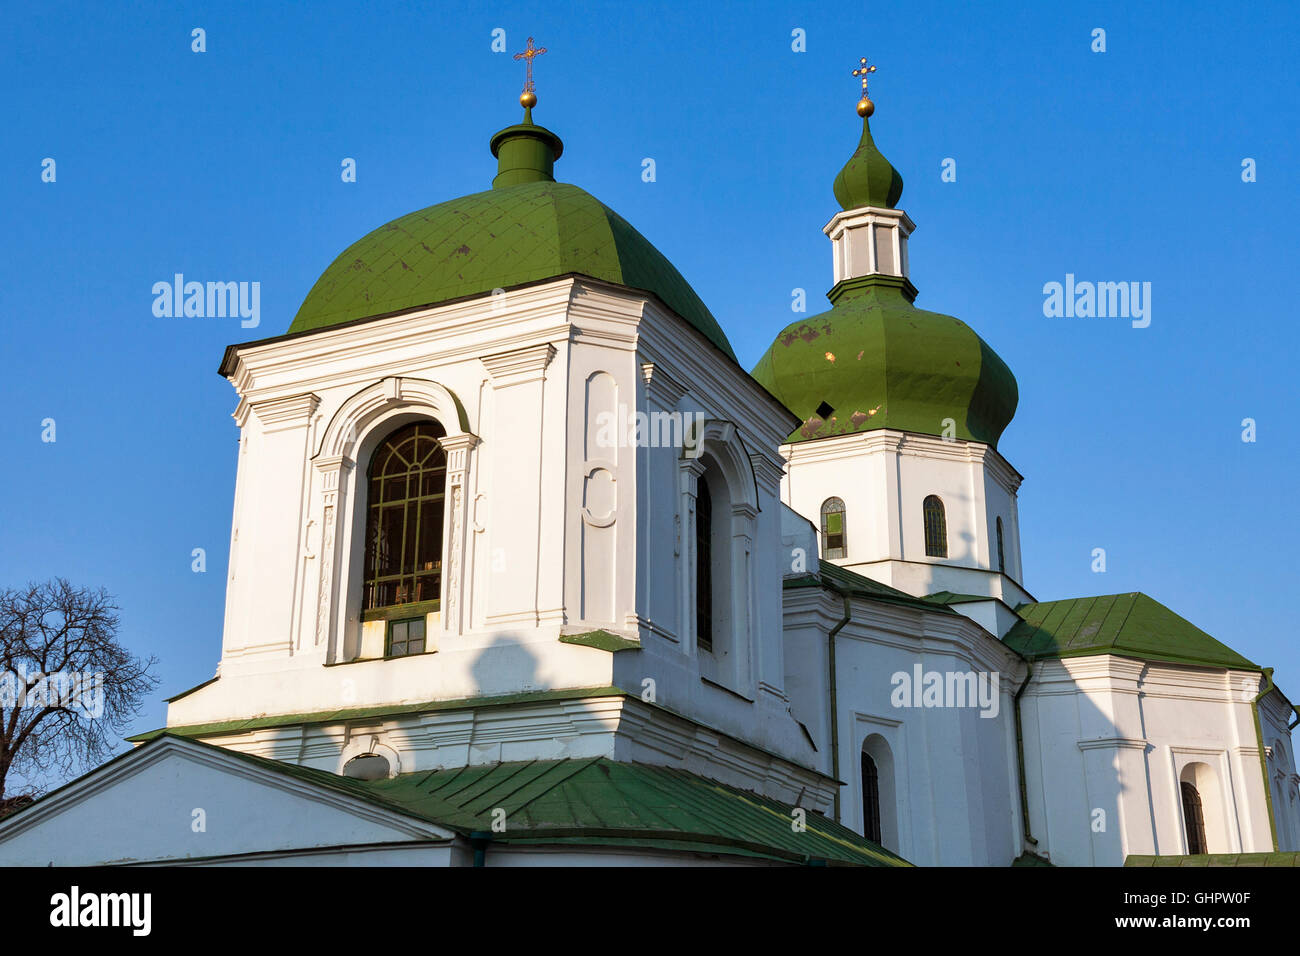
(183, 802)
(946, 777)
(1275, 714)
(884, 477)
(1108, 741)
(559, 536)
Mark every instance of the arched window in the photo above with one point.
(704, 567)
(1002, 560)
(1193, 818)
(367, 767)
(406, 482)
(936, 528)
(870, 799)
(834, 543)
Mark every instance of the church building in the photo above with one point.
(526, 569)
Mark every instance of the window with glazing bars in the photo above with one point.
(405, 637)
(407, 480)
(833, 532)
(936, 528)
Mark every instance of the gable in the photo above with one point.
(144, 805)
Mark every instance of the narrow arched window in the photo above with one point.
(936, 528)
(870, 799)
(834, 543)
(406, 482)
(1193, 819)
(1002, 560)
(704, 567)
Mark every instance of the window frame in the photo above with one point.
(934, 517)
(831, 507)
(871, 819)
(704, 584)
(1193, 818)
(413, 507)
(392, 624)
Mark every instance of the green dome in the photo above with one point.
(868, 179)
(876, 361)
(525, 229)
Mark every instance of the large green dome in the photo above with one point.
(876, 361)
(526, 228)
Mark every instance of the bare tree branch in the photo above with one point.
(67, 687)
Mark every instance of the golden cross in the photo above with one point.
(527, 57)
(864, 71)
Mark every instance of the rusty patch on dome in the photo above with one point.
(811, 426)
(462, 251)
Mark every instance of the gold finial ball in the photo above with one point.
(865, 107)
(527, 99)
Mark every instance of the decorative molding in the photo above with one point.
(280, 414)
(519, 366)
(661, 387)
(1115, 743)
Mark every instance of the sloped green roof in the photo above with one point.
(842, 580)
(878, 361)
(598, 801)
(1216, 859)
(498, 239)
(1127, 625)
(951, 597)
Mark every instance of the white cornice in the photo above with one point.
(292, 411)
(863, 215)
(482, 323)
(880, 440)
(660, 386)
(519, 365)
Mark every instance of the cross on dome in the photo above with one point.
(528, 98)
(865, 106)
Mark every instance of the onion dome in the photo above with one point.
(868, 179)
(874, 360)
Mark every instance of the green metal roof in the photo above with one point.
(867, 179)
(602, 640)
(951, 597)
(880, 362)
(1216, 859)
(843, 581)
(526, 229)
(598, 801)
(1127, 625)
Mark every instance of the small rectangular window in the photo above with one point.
(406, 637)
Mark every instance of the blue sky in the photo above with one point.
(1115, 166)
